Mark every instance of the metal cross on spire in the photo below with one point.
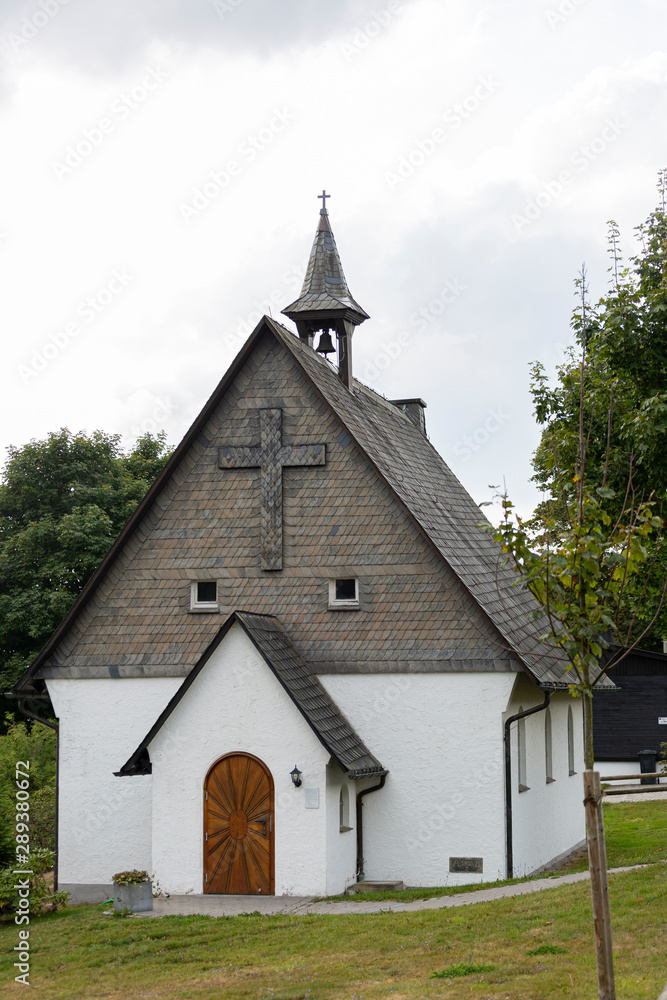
(324, 197)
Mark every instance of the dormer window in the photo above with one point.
(204, 595)
(344, 593)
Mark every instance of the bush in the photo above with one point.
(41, 897)
(35, 743)
(43, 817)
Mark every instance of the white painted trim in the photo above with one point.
(338, 604)
(196, 605)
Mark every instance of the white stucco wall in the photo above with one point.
(104, 821)
(548, 819)
(236, 704)
(440, 737)
(341, 847)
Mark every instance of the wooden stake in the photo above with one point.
(597, 861)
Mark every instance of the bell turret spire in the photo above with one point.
(325, 302)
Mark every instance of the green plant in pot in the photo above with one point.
(133, 891)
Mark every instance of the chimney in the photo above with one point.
(414, 409)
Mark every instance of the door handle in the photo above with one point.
(262, 820)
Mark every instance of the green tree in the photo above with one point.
(611, 415)
(62, 503)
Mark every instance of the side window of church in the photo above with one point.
(548, 750)
(521, 738)
(570, 741)
(344, 809)
(204, 595)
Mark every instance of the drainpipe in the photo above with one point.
(52, 725)
(360, 826)
(508, 778)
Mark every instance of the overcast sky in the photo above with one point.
(161, 162)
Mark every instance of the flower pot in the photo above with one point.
(137, 897)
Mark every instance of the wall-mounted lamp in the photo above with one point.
(295, 775)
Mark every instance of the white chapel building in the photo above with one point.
(297, 665)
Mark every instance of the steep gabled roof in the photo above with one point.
(317, 707)
(440, 505)
(416, 475)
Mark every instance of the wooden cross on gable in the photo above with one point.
(271, 456)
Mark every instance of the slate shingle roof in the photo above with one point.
(444, 510)
(306, 691)
(324, 286)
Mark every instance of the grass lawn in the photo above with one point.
(526, 948)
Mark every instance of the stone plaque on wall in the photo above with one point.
(466, 865)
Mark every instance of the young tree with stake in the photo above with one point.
(593, 553)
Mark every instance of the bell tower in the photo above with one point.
(325, 304)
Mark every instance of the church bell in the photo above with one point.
(325, 345)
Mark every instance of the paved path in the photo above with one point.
(232, 906)
(628, 796)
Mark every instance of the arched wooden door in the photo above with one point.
(238, 827)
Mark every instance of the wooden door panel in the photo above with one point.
(238, 827)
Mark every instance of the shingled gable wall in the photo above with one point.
(339, 519)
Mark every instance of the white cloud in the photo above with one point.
(347, 119)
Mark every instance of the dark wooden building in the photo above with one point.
(628, 720)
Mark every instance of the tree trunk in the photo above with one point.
(597, 862)
(589, 753)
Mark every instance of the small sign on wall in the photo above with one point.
(662, 720)
(312, 796)
(466, 865)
